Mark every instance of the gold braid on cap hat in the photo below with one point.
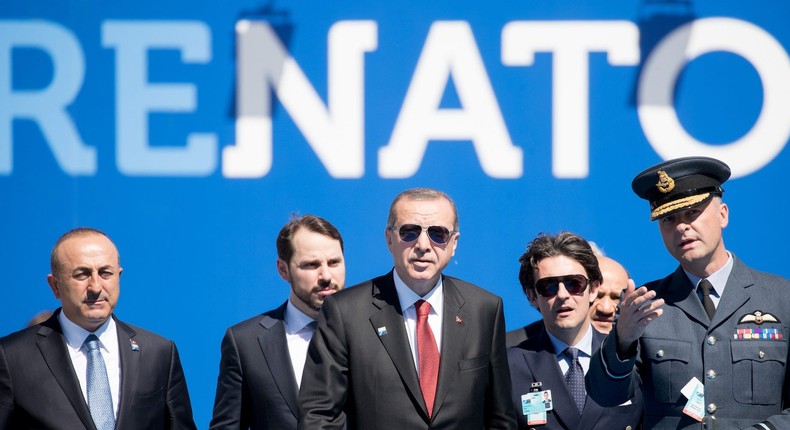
(674, 205)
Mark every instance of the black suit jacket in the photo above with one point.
(535, 360)
(40, 390)
(515, 337)
(256, 387)
(360, 367)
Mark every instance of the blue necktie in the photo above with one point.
(99, 396)
(575, 378)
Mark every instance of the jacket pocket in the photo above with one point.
(473, 363)
(758, 367)
(668, 361)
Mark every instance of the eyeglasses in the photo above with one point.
(550, 286)
(410, 232)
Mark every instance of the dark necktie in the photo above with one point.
(703, 291)
(427, 355)
(99, 396)
(575, 378)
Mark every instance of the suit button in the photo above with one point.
(761, 354)
(660, 353)
(711, 374)
(711, 408)
(627, 427)
(711, 341)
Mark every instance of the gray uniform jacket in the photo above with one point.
(745, 378)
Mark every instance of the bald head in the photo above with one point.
(615, 279)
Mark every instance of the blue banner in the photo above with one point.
(190, 131)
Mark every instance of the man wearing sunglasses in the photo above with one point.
(560, 276)
(412, 349)
(707, 345)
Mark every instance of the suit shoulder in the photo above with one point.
(23, 336)
(472, 291)
(276, 314)
(143, 335)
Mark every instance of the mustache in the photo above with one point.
(89, 298)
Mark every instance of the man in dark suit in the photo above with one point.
(263, 357)
(412, 349)
(83, 368)
(707, 344)
(560, 276)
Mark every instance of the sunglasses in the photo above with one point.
(550, 286)
(410, 232)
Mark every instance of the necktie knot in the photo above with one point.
(572, 353)
(423, 308)
(91, 343)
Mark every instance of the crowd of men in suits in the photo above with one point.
(418, 349)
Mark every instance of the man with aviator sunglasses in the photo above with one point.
(414, 348)
(560, 276)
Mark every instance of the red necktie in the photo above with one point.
(427, 355)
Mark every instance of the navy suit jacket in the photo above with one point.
(535, 360)
(360, 369)
(256, 387)
(746, 380)
(40, 390)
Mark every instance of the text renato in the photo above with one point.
(335, 129)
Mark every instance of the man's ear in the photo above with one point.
(52, 280)
(282, 269)
(532, 297)
(594, 291)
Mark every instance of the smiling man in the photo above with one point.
(560, 276)
(83, 368)
(708, 343)
(263, 357)
(412, 349)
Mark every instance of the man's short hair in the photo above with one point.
(565, 243)
(421, 194)
(54, 262)
(313, 223)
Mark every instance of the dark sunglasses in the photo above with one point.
(574, 284)
(410, 232)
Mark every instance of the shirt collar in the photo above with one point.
(718, 278)
(584, 345)
(76, 335)
(407, 297)
(295, 320)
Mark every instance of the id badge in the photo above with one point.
(695, 392)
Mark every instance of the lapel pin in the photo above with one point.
(135, 346)
(382, 331)
(458, 320)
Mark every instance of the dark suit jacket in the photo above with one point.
(746, 379)
(256, 387)
(360, 368)
(535, 360)
(515, 337)
(39, 389)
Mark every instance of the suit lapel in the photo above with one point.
(542, 361)
(274, 347)
(389, 321)
(680, 293)
(736, 292)
(52, 345)
(130, 370)
(454, 334)
(592, 411)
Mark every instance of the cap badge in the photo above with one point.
(665, 183)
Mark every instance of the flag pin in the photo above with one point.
(382, 331)
(135, 346)
(458, 320)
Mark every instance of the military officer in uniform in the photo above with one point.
(707, 345)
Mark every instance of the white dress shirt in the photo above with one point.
(108, 340)
(585, 351)
(298, 335)
(407, 298)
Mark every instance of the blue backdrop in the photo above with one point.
(189, 132)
